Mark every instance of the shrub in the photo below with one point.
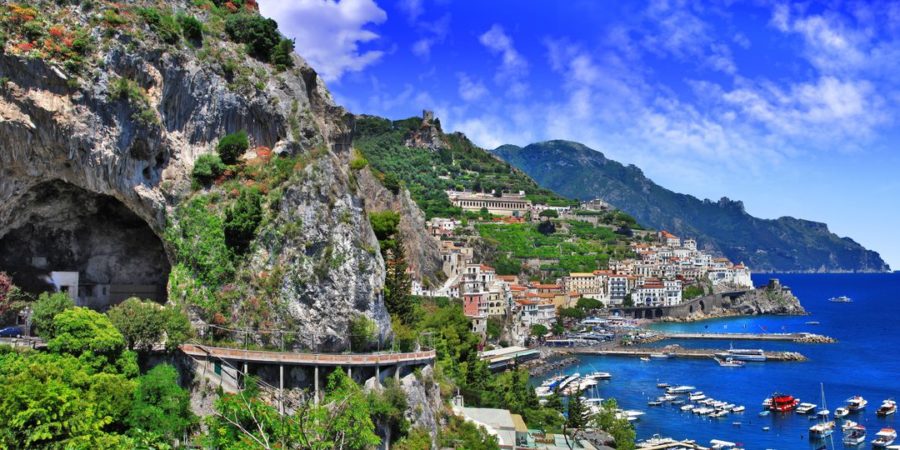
(242, 219)
(538, 330)
(165, 26)
(549, 213)
(191, 28)
(207, 168)
(358, 163)
(391, 182)
(362, 333)
(281, 54)
(384, 223)
(258, 33)
(232, 146)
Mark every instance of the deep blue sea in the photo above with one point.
(865, 361)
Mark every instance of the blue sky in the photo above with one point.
(790, 107)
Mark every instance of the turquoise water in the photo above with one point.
(864, 362)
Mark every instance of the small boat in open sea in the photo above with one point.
(813, 322)
(841, 299)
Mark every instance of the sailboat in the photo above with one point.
(825, 427)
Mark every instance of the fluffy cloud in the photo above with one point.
(328, 33)
(513, 66)
(470, 90)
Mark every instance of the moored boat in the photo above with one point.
(856, 403)
(887, 408)
(841, 299)
(729, 362)
(783, 403)
(738, 409)
(806, 408)
(855, 436)
(659, 356)
(662, 385)
(675, 390)
(885, 437)
(743, 354)
(841, 412)
(848, 424)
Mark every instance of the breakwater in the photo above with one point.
(677, 352)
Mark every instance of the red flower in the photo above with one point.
(231, 7)
(25, 46)
(57, 31)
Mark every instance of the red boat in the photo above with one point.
(783, 403)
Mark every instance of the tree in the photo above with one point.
(619, 427)
(539, 330)
(232, 146)
(577, 414)
(397, 282)
(49, 400)
(91, 337)
(160, 406)
(391, 183)
(587, 304)
(242, 219)
(628, 302)
(546, 228)
(207, 168)
(384, 224)
(46, 308)
(549, 213)
(388, 410)
(142, 324)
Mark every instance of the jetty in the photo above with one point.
(788, 337)
(675, 352)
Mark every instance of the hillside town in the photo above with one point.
(662, 267)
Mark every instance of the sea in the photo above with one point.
(865, 361)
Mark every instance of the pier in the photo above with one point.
(701, 353)
(787, 337)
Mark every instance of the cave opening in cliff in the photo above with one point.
(65, 238)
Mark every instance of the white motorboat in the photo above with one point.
(887, 408)
(721, 445)
(841, 299)
(743, 354)
(729, 362)
(659, 356)
(676, 390)
(655, 441)
(599, 376)
(855, 436)
(567, 380)
(645, 358)
(720, 413)
(848, 424)
(662, 385)
(654, 403)
(885, 437)
(805, 408)
(856, 403)
(840, 413)
(687, 407)
(696, 397)
(738, 409)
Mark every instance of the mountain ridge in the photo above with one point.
(785, 244)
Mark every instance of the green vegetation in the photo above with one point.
(164, 24)
(242, 220)
(539, 330)
(429, 174)
(232, 146)
(146, 323)
(45, 309)
(362, 333)
(191, 28)
(692, 291)
(261, 38)
(197, 237)
(124, 89)
(161, 409)
(620, 429)
(207, 168)
(582, 248)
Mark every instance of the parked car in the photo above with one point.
(11, 332)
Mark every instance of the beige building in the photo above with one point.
(506, 204)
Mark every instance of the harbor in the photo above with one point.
(676, 352)
(785, 337)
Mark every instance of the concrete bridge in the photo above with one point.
(228, 367)
(700, 304)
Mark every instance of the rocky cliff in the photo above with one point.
(422, 251)
(100, 99)
(774, 298)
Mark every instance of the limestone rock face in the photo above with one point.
(422, 251)
(59, 127)
(771, 299)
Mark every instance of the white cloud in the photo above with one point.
(432, 33)
(513, 66)
(412, 8)
(674, 29)
(470, 90)
(328, 33)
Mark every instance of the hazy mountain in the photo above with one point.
(784, 244)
